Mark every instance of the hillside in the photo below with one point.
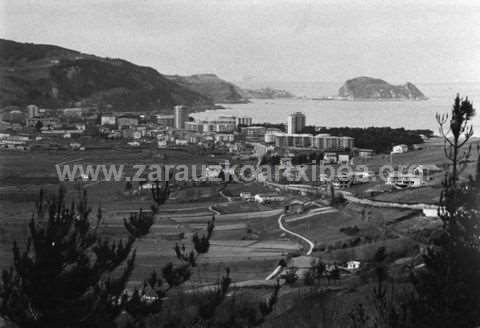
(54, 77)
(371, 88)
(210, 85)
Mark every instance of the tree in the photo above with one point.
(64, 276)
(160, 194)
(38, 126)
(448, 288)
(68, 275)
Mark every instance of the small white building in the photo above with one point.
(343, 158)
(106, 119)
(267, 198)
(245, 195)
(398, 149)
(401, 180)
(162, 143)
(353, 265)
(224, 137)
(330, 158)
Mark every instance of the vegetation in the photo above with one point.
(446, 289)
(380, 139)
(84, 78)
(69, 275)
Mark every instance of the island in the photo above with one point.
(368, 88)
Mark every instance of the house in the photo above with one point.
(426, 169)
(133, 143)
(224, 137)
(45, 122)
(245, 195)
(108, 119)
(360, 177)
(166, 120)
(343, 158)
(353, 265)
(267, 198)
(330, 158)
(162, 143)
(131, 134)
(404, 180)
(365, 153)
(75, 145)
(127, 121)
(398, 149)
(342, 181)
(181, 142)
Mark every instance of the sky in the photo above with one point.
(310, 40)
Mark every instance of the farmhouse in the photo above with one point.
(398, 149)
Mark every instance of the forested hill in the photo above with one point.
(51, 76)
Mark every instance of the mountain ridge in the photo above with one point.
(55, 77)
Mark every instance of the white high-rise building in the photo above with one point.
(181, 116)
(32, 111)
(296, 123)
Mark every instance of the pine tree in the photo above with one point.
(448, 288)
(67, 275)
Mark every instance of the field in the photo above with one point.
(247, 237)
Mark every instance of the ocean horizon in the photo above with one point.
(396, 114)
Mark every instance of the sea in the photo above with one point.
(337, 113)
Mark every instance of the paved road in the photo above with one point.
(311, 245)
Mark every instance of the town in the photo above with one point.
(230, 164)
(83, 129)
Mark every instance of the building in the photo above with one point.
(353, 265)
(330, 158)
(254, 132)
(181, 116)
(244, 121)
(404, 180)
(131, 134)
(365, 153)
(46, 122)
(293, 140)
(127, 121)
(224, 137)
(166, 120)
(398, 149)
(327, 142)
(267, 198)
(295, 123)
(194, 126)
(73, 112)
(270, 135)
(343, 158)
(32, 111)
(231, 119)
(108, 119)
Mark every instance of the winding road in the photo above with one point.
(311, 245)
